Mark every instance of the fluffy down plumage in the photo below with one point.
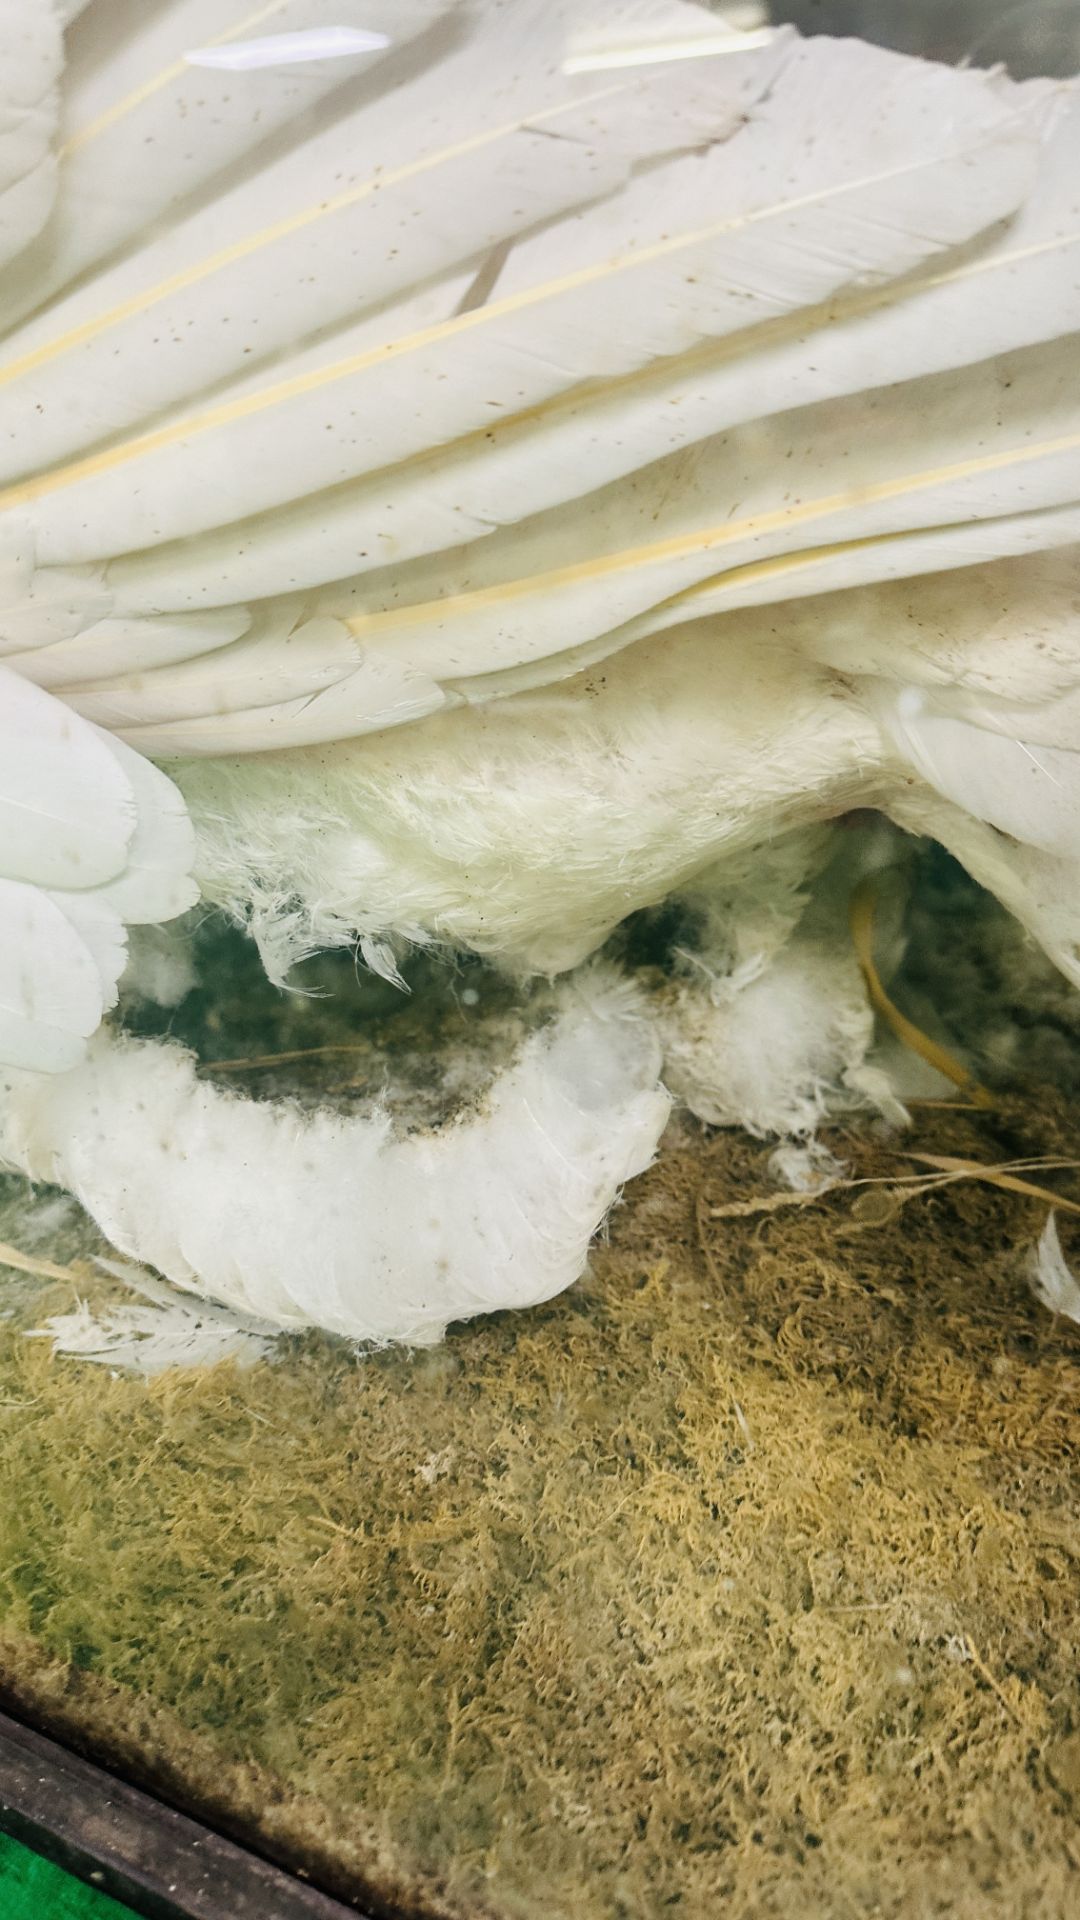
(397, 1236)
(503, 493)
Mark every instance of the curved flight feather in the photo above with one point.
(32, 59)
(708, 527)
(145, 132)
(92, 839)
(652, 260)
(322, 321)
(513, 1193)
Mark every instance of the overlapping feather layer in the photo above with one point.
(502, 494)
(339, 395)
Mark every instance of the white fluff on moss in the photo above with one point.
(160, 1329)
(806, 1166)
(330, 1221)
(1052, 1281)
(767, 1024)
(767, 1053)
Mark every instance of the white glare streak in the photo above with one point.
(602, 60)
(287, 49)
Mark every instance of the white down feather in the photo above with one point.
(395, 1236)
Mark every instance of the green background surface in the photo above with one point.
(33, 1889)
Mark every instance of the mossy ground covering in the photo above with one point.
(741, 1580)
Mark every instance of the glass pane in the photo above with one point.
(539, 940)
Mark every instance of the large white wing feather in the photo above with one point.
(497, 371)
(92, 838)
(486, 144)
(30, 37)
(67, 812)
(51, 992)
(651, 274)
(145, 131)
(973, 457)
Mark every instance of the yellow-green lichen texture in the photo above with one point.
(741, 1580)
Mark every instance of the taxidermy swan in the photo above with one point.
(466, 474)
